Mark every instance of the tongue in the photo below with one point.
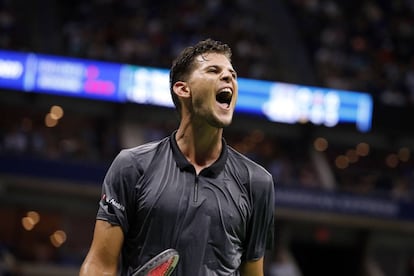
(223, 105)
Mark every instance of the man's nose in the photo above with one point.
(226, 76)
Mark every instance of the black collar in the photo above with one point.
(182, 162)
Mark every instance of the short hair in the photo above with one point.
(183, 64)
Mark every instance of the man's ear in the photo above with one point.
(181, 89)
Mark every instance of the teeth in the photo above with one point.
(225, 90)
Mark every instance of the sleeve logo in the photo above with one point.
(113, 202)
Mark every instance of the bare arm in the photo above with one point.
(252, 268)
(102, 258)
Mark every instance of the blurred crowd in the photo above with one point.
(354, 45)
(290, 161)
(148, 33)
(78, 138)
(293, 161)
(360, 45)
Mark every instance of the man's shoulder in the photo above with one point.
(247, 164)
(148, 147)
(251, 174)
(142, 152)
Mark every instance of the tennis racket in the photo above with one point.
(162, 264)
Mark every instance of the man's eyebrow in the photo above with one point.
(220, 67)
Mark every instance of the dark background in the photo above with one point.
(352, 45)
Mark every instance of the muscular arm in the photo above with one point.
(102, 258)
(252, 268)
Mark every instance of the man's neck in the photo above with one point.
(201, 146)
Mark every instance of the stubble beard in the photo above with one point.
(211, 116)
(215, 121)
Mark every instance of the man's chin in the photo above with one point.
(220, 121)
(224, 123)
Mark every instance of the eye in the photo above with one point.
(212, 70)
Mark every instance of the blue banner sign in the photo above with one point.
(12, 70)
(278, 102)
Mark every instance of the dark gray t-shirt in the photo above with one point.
(216, 219)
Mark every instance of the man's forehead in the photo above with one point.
(213, 58)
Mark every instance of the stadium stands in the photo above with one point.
(352, 45)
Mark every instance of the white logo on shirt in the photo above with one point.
(113, 202)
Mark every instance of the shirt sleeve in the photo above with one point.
(260, 234)
(118, 191)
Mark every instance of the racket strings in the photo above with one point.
(162, 269)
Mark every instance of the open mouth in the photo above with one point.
(224, 97)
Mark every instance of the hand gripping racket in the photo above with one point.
(162, 264)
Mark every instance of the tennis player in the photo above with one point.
(189, 191)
